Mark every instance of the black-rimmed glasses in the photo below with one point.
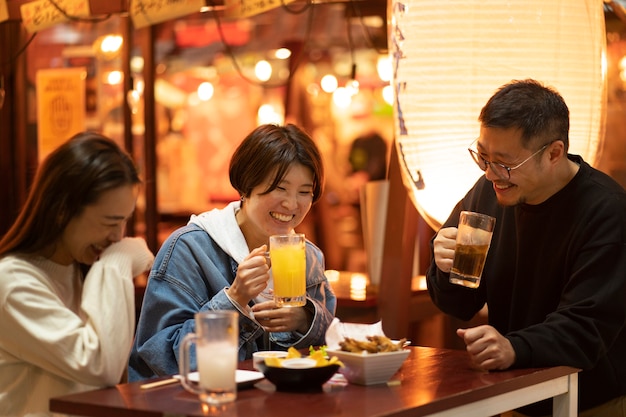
(497, 168)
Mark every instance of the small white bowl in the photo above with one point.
(369, 368)
(260, 356)
(299, 363)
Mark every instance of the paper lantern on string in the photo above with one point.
(451, 56)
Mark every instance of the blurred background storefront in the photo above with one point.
(180, 93)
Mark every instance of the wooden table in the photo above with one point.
(431, 382)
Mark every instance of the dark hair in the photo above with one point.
(271, 149)
(368, 153)
(72, 177)
(538, 111)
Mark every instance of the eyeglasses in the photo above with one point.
(497, 168)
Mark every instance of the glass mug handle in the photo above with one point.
(183, 363)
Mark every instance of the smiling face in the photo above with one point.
(96, 227)
(280, 210)
(531, 183)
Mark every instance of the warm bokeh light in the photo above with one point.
(313, 89)
(352, 86)
(282, 53)
(193, 100)
(108, 47)
(136, 64)
(205, 91)
(384, 69)
(139, 85)
(332, 275)
(133, 97)
(342, 98)
(111, 44)
(168, 94)
(329, 83)
(418, 283)
(358, 286)
(388, 94)
(268, 114)
(263, 70)
(114, 77)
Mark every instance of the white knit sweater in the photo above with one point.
(59, 335)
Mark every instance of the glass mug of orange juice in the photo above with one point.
(288, 258)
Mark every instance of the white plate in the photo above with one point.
(244, 378)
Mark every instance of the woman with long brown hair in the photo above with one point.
(67, 309)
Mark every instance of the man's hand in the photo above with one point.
(488, 349)
(443, 247)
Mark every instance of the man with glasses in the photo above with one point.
(554, 280)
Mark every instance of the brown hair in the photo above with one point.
(72, 177)
(272, 149)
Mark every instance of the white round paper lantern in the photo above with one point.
(450, 56)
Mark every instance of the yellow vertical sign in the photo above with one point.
(4, 11)
(60, 106)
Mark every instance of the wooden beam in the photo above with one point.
(105, 7)
(398, 255)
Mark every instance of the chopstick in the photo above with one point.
(158, 383)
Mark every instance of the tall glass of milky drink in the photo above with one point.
(288, 259)
(472, 244)
(216, 340)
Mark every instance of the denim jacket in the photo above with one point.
(189, 275)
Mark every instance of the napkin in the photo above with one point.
(338, 331)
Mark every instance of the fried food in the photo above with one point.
(374, 344)
(319, 356)
(292, 352)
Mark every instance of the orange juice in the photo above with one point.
(287, 254)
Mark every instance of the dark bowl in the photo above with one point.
(298, 380)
